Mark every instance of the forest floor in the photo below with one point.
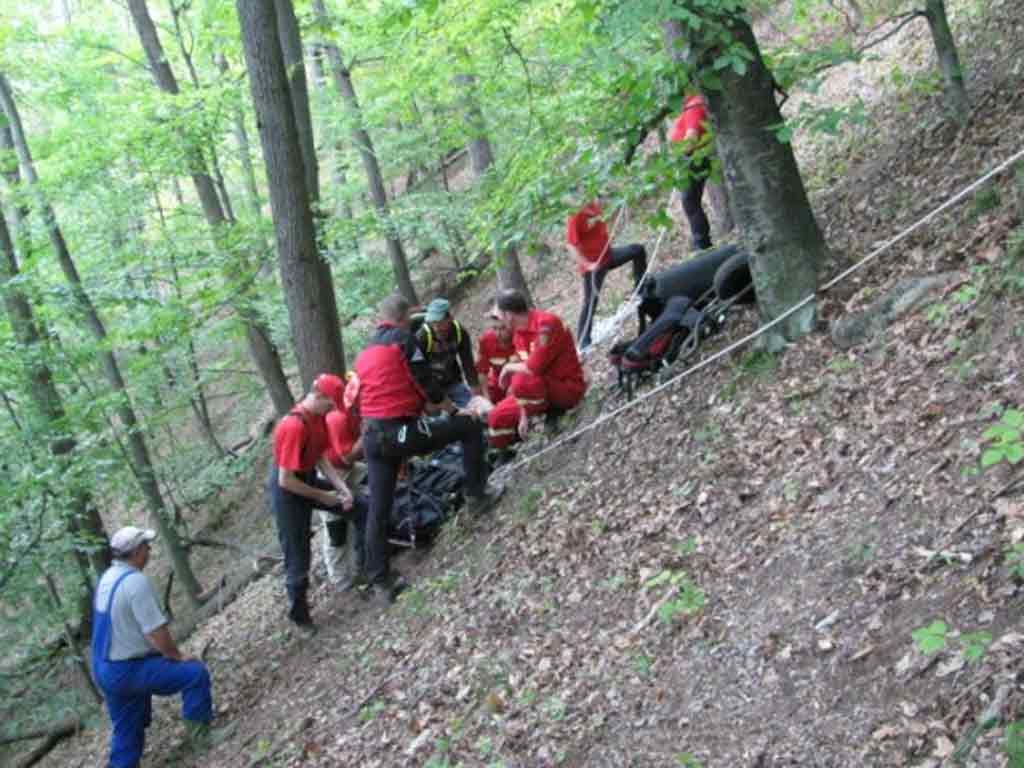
(789, 561)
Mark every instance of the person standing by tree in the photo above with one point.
(546, 374)
(691, 132)
(494, 349)
(134, 655)
(586, 236)
(449, 350)
(397, 394)
(300, 445)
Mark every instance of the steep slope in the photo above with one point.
(733, 573)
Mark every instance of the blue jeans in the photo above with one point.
(128, 688)
(459, 394)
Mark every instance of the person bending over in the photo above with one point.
(586, 236)
(404, 414)
(300, 445)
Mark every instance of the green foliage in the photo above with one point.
(686, 597)
(1015, 559)
(930, 639)
(687, 760)
(974, 644)
(985, 200)
(1015, 744)
(1005, 439)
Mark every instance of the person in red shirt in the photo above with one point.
(586, 237)
(300, 444)
(691, 131)
(546, 374)
(405, 413)
(494, 349)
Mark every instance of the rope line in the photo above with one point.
(509, 469)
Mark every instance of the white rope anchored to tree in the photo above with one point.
(509, 469)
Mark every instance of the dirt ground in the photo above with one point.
(744, 570)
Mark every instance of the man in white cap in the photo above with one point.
(134, 655)
(449, 350)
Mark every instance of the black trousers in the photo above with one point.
(386, 443)
(293, 516)
(634, 254)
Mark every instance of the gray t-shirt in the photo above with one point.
(134, 613)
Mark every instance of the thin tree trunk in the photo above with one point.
(244, 151)
(343, 209)
(764, 184)
(312, 308)
(139, 451)
(481, 157)
(69, 637)
(957, 101)
(374, 177)
(261, 346)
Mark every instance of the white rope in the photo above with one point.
(511, 468)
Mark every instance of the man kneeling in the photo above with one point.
(546, 376)
(134, 655)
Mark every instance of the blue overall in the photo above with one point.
(128, 687)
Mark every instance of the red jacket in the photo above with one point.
(492, 355)
(587, 232)
(300, 439)
(387, 387)
(693, 117)
(342, 435)
(548, 348)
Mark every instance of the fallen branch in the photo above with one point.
(54, 736)
(70, 723)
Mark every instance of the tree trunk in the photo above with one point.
(481, 158)
(312, 309)
(374, 178)
(141, 461)
(957, 102)
(261, 346)
(764, 184)
(298, 89)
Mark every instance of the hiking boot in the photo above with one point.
(383, 593)
(200, 737)
(484, 503)
(298, 613)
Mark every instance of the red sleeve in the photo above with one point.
(695, 118)
(289, 438)
(678, 128)
(543, 354)
(572, 228)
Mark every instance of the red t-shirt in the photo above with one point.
(694, 117)
(492, 355)
(342, 434)
(300, 439)
(587, 232)
(387, 388)
(555, 359)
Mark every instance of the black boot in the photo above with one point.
(298, 612)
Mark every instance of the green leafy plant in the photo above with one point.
(931, 639)
(1015, 743)
(687, 598)
(687, 760)
(975, 643)
(1006, 440)
(1015, 559)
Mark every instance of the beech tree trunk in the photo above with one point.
(957, 102)
(768, 198)
(481, 158)
(312, 308)
(142, 464)
(261, 346)
(374, 177)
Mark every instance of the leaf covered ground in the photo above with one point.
(789, 561)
